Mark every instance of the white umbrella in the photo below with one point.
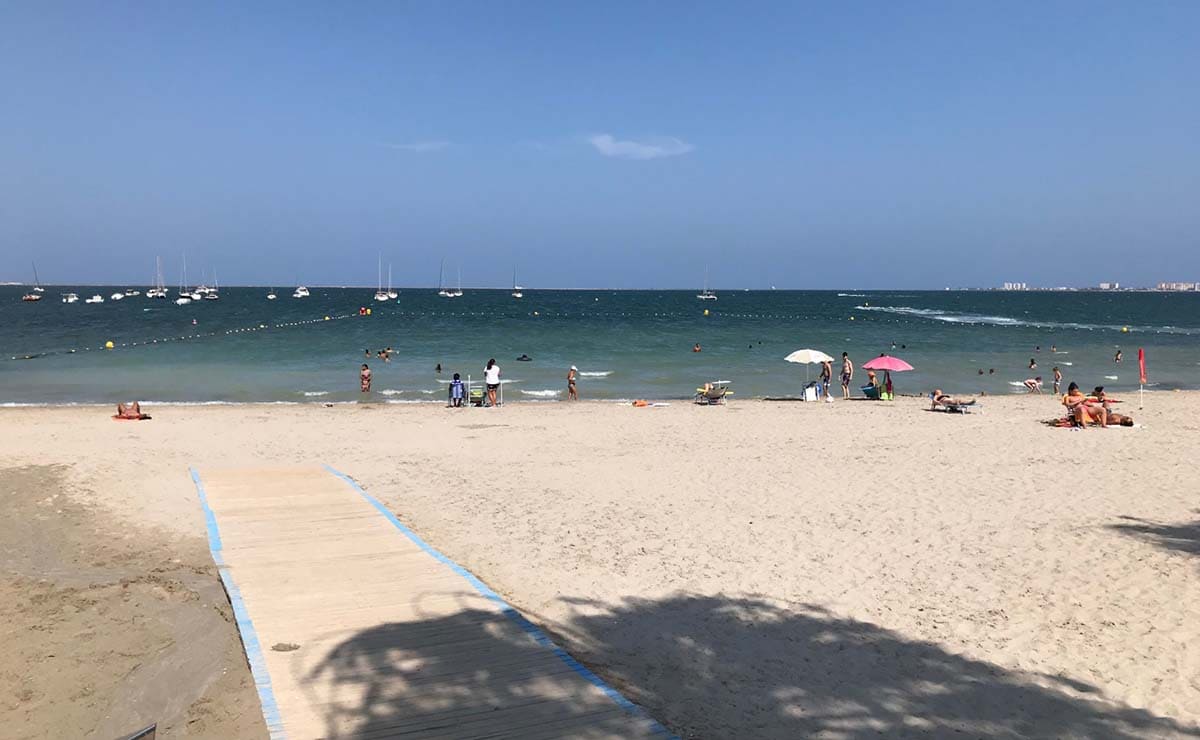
(808, 357)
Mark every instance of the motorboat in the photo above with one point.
(117, 296)
(70, 298)
(31, 297)
(182, 300)
(129, 293)
(300, 292)
(95, 299)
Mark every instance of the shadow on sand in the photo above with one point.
(709, 667)
(1177, 537)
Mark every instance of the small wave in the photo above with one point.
(408, 401)
(316, 393)
(390, 392)
(951, 317)
(428, 392)
(595, 374)
(1111, 377)
(547, 393)
(852, 295)
(1017, 383)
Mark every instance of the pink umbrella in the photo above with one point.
(887, 362)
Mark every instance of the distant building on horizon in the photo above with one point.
(1014, 286)
(1179, 286)
(1110, 286)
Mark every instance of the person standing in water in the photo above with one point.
(1118, 357)
(364, 379)
(491, 376)
(1057, 379)
(847, 374)
(572, 393)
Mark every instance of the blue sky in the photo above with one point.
(605, 144)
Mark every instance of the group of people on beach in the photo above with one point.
(456, 393)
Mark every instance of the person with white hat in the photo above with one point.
(572, 394)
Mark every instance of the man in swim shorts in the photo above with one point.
(847, 374)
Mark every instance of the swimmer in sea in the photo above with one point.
(696, 347)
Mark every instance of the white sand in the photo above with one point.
(767, 570)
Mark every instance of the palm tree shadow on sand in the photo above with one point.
(1183, 538)
(711, 667)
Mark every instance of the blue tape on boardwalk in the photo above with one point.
(254, 653)
(515, 616)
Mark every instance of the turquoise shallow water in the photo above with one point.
(627, 344)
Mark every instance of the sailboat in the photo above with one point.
(159, 290)
(184, 296)
(380, 293)
(458, 290)
(516, 291)
(442, 282)
(271, 295)
(213, 293)
(36, 294)
(706, 294)
(391, 293)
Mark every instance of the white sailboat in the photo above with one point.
(458, 291)
(213, 293)
(516, 291)
(159, 290)
(37, 284)
(271, 295)
(185, 297)
(706, 294)
(391, 293)
(380, 293)
(442, 282)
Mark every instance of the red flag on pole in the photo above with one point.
(1142, 365)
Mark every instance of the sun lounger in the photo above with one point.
(713, 394)
(953, 408)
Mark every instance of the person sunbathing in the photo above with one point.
(945, 400)
(131, 410)
(1083, 409)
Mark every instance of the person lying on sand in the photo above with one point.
(945, 400)
(131, 410)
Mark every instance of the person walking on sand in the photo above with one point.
(1057, 379)
(491, 376)
(826, 376)
(572, 393)
(364, 379)
(847, 374)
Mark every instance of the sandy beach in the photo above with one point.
(754, 570)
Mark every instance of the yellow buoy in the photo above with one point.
(327, 318)
(368, 312)
(706, 312)
(852, 318)
(1124, 329)
(108, 344)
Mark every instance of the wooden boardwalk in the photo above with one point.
(354, 627)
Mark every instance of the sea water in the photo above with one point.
(626, 344)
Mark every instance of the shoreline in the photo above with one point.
(317, 402)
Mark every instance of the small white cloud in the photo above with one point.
(419, 147)
(655, 148)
